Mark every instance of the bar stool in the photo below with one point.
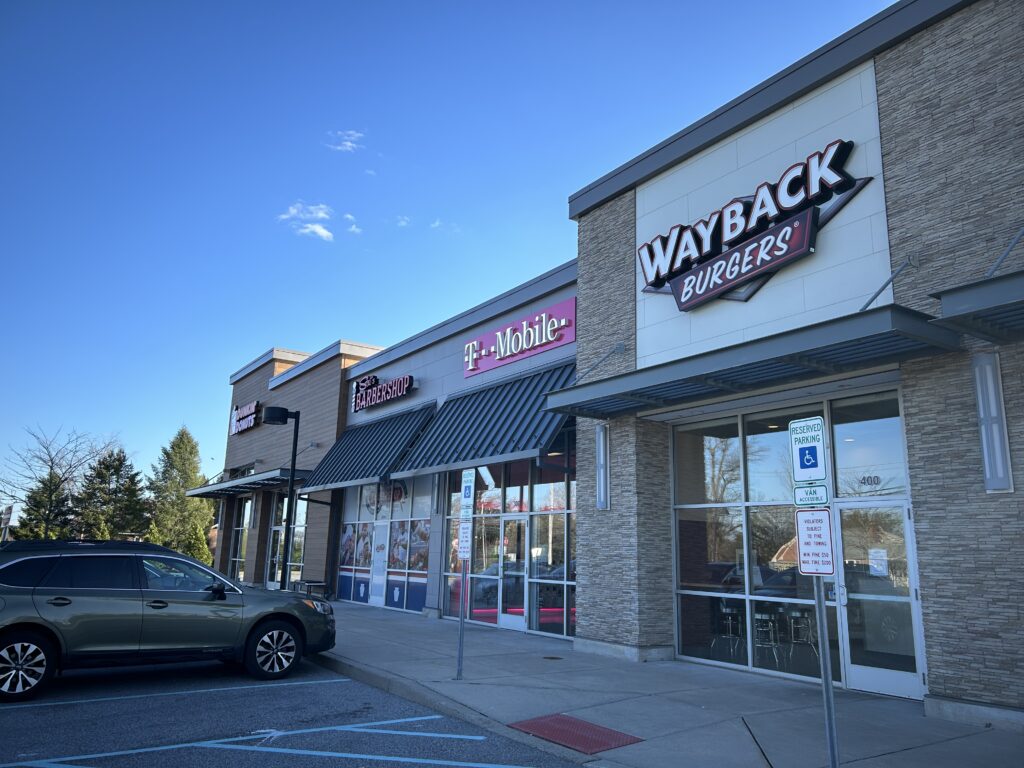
(766, 634)
(801, 630)
(730, 628)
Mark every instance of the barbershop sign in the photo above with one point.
(370, 391)
(547, 329)
(734, 250)
(244, 417)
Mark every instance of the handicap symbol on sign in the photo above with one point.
(809, 457)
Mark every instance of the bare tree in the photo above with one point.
(43, 477)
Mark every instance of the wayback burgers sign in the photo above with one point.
(733, 251)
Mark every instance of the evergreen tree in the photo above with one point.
(111, 499)
(47, 512)
(176, 518)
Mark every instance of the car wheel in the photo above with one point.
(27, 662)
(273, 650)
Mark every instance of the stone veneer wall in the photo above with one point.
(952, 128)
(624, 554)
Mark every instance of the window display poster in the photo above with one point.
(878, 562)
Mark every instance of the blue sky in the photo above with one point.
(186, 184)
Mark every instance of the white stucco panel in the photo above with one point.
(851, 257)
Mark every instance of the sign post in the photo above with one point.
(817, 559)
(465, 545)
(815, 553)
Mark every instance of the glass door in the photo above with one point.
(878, 598)
(379, 568)
(513, 572)
(275, 541)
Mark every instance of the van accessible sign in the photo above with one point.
(552, 327)
(743, 243)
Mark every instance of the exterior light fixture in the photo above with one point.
(601, 454)
(995, 446)
(279, 416)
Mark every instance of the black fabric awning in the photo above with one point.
(991, 309)
(875, 337)
(367, 453)
(501, 422)
(263, 481)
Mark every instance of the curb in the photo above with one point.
(418, 693)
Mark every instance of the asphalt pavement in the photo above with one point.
(213, 715)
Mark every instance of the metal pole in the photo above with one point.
(463, 595)
(289, 515)
(825, 657)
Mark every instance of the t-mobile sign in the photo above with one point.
(552, 327)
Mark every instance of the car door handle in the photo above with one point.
(158, 604)
(60, 602)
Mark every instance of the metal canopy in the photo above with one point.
(991, 309)
(501, 422)
(247, 484)
(883, 335)
(367, 453)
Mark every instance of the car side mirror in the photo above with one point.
(217, 590)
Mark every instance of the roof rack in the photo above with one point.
(26, 545)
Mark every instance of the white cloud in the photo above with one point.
(301, 212)
(370, 172)
(403, 221)
(348, 217)
(344, 141)
(316, 230)
(435, 224)
(355, 229)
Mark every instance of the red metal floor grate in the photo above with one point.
(575, 733)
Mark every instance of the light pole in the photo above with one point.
(274, 415)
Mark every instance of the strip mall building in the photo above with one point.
(836, 244)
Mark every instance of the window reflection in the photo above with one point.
(707, 463)
(773, 560)
(769, 462)
(868, 446)
(488, 490)
(711, 549)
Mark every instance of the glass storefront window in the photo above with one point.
(401, 499)
(713, 628)
(517, 487)
(488, 490)
(710, 546)
(708, 464)
(875, 552)
(369, 502)
(419, 545)
(347, 557)
(785, 638)
(423, 496)
(240, 538)
(547, 547)
(398, 550)
(769, 463)
(364, 545)
(773, 561)
(483, 600)
(868, 446)
(547, 608)
(486, 533)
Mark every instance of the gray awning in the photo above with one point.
(262, 481)
(369, 452)
(875, 337)
(502, 422)
(991, 309)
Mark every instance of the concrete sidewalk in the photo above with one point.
(686, 714)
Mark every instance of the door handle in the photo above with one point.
(158, 604)
(60, 602)
(842, 595)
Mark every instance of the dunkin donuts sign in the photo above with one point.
(733, 251)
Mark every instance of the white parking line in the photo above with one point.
(9, 707)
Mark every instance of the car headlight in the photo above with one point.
(320, 606)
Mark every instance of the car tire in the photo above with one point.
(273, 650)
(27, 662)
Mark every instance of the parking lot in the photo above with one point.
(209, 714)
